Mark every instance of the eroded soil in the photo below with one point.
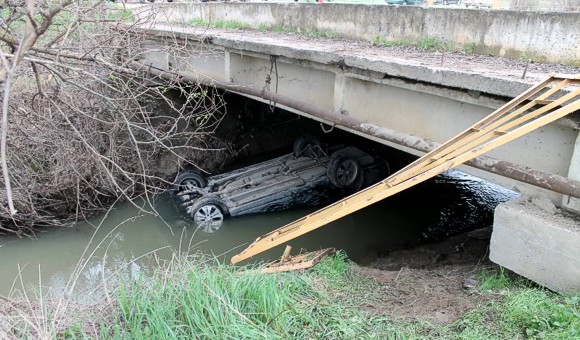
(435, 282)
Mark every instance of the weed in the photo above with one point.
(544, 315)
(433, 44)
(197, 22)
(234, 24)
(496, 280)
(380, 41)
(279, 28)
(320, 34)
(333, 267)
(469, 48)
(120, 14)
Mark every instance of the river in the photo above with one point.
(136, 237)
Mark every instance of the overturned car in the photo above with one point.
(311, 175)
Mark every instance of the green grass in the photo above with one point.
(208, 300)
(279, 28)
(470, 48)
(499, 279)
(426, 43)
(232, 24)
(381, 41)
(197, 22)
(522, 311)
(523, 314)
(118, 13)
(434, 44)
(320, 34)
(200, 298)
(223, 24)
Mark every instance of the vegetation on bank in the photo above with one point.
(200, 298)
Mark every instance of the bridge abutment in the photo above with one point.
(537, 243)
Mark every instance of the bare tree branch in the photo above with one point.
(80, 129)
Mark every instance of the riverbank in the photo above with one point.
(447, 291)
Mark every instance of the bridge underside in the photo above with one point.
(431, 104)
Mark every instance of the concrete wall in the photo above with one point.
(550, 37)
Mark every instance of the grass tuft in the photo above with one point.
(381, 41)
(500, 279)
(470, 48)
(223, 24)
(320, 34)
(334, 267)
(197, 22)
(434, 44)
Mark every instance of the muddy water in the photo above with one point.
(128, 241)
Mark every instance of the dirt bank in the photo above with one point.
(436, 282)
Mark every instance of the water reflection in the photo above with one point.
(129, 242)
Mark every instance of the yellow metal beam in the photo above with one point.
(507, 123)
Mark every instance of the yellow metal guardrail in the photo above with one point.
(549, 100)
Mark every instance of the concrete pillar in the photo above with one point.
(339, 90)
(228, 67)
(573, 203)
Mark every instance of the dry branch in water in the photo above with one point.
(79, 128)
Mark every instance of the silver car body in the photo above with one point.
(281, 183)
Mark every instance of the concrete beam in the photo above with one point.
(539, 242)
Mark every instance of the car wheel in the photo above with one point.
(207, 210)
(308, 146)
(188, 181)
(343, 171)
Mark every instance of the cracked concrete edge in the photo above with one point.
(471, 81)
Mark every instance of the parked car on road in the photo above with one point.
(311, 175)
(478, 3)
(405, 2)
(448, 2)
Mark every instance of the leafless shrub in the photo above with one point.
(80, 129)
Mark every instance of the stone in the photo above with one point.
(545, 204)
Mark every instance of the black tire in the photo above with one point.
(188, 181)
(343, 172)
(208, 209)
(308, 146)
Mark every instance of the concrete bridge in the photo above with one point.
(409, 100)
